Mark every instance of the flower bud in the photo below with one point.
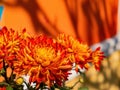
(19, 80)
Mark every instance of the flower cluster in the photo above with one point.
(46, 60)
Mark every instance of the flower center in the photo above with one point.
(45, 55)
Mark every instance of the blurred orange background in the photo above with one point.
(91, 21)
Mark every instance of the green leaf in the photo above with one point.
(83, 88)
(9, 88)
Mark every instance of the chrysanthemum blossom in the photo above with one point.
(9, 44)
(80, 53)
(97, 56)
(44, 61)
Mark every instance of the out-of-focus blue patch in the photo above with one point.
(110, 45)
(1, 11)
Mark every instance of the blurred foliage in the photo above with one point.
(108, 78)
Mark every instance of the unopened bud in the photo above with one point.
(19, 80)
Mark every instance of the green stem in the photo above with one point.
(5, 74)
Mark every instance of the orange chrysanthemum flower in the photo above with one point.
(97, 56)
(80, 53)
(43, 60)
(9, 45)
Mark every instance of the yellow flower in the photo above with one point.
(19, 81)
